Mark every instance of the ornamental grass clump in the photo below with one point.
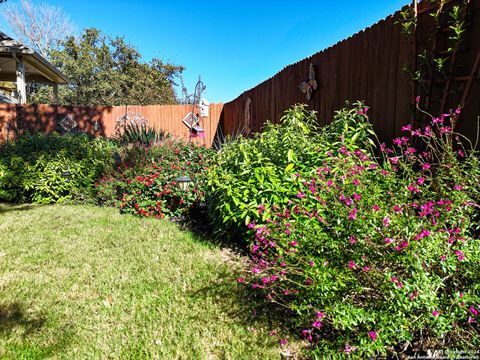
(377, 254)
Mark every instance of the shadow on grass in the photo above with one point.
(14, 319)
(13, 316)
(249, 308)
(4, 207)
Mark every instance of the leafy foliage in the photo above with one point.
(251, 175)
(108, 72)
(47, 168)
(141, 135)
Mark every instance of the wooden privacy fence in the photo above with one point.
(368, 66)
(46, 118)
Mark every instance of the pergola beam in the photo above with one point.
(21, 83)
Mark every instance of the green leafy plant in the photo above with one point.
(141, 135)
(48, 168)
(249, 176)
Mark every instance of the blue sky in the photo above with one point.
(233, 45)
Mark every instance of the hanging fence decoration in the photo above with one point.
(68, 123)
(308, 86)
(190, 120)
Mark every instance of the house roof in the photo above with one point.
(38, 69)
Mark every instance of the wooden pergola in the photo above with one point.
(22, 65)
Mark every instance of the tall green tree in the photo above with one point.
(108, 71)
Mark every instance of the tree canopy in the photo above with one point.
(108, 71)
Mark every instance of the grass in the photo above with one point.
(80, 282)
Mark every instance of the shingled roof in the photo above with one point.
(38, 69)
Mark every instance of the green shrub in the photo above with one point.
(48, 168)
(375, 256)
(251, 175)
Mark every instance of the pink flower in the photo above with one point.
(353, 214)
(283, 342)
(386, 222)
(394, 160)
(460, 255)
(293, 243)
(319, 314)
(356, 197)
(407, 128)
(366, 268)
(399, 284)
(373, 335)
(255, 270)
(420, 181)
(417, 99)
(443, 258)
(457, 188)
(388, 241)
(311, 263)
(347, 349)
(461, 153)
(352, 240)
(241, 279)
(375, 208)
(425, 166)
(317, 324)
(309, 281)
(435, 313)
(413, 188)
(473, 311)
(300, 195)
(412, 296)
(351, 265)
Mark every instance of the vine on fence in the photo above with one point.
(430, 64)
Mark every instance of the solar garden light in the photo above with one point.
(67, 175)
(183, 182)
(96, 126)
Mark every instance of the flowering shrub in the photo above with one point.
(377, 255)
(144, 182)
(251, 175)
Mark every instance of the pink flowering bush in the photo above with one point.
(377, 253)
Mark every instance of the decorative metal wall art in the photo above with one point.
(308, 86)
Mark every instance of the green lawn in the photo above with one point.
(80, 282)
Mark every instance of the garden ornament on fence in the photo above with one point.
(192, 119)
(308, 86)
(68, 123)
(129, 119)
(247, 117)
